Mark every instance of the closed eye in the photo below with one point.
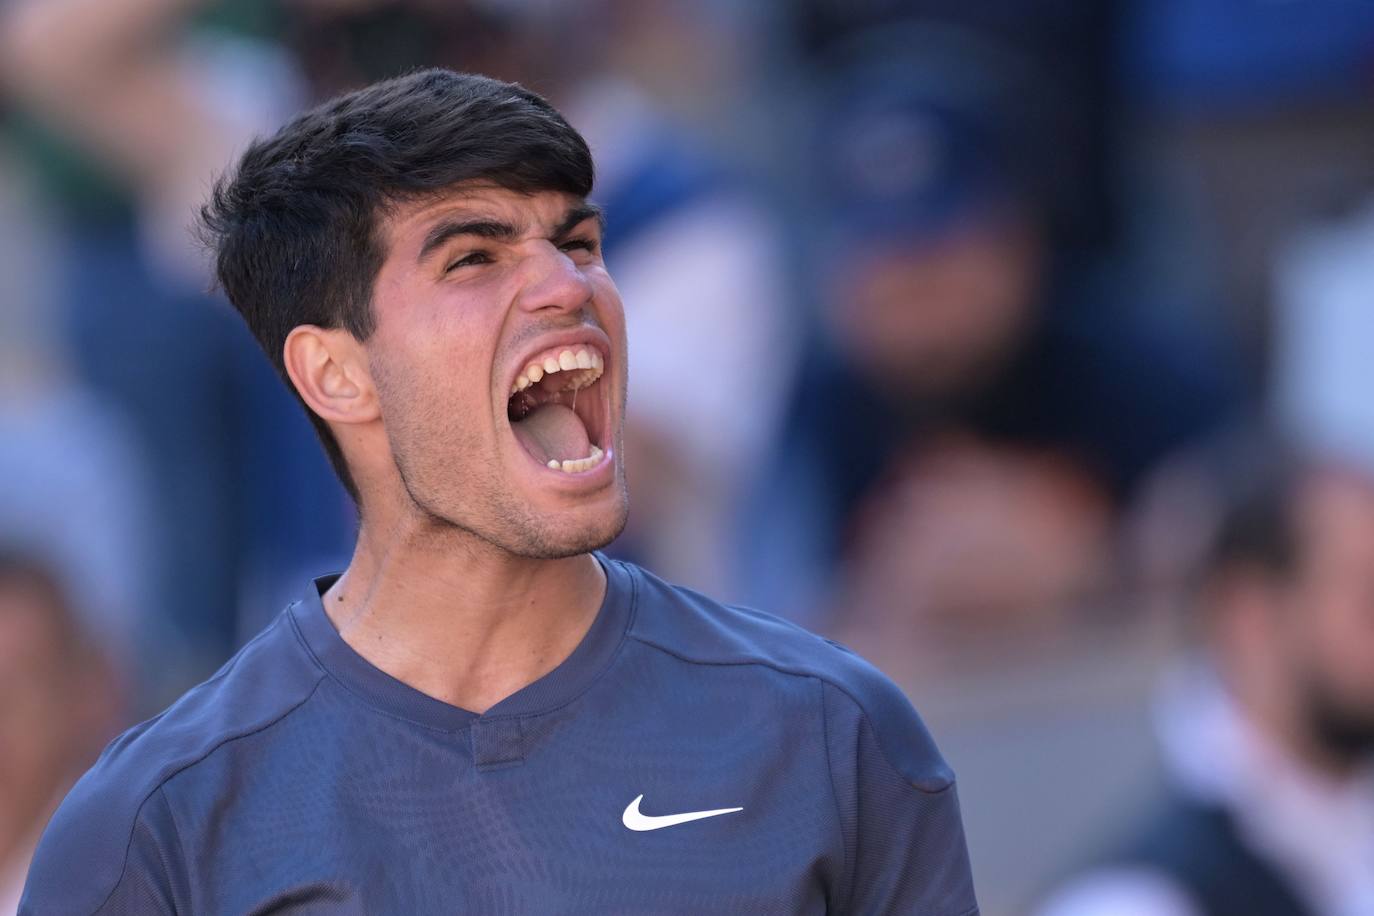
(476, 257)
(587, 244)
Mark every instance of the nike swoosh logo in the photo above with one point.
(636, 821)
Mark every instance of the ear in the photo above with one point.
(329, 369)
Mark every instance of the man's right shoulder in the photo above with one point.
(81, 859)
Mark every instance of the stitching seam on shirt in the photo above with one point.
(773, 667)
(171, 816)
(361, 698)
(846, 879)
(182, 769)
(124, 868)
(629, 623)
(610, 662)
(896, 770)
(222, 673)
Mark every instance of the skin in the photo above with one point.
(472, 576)
(59, 701)
(1289, 646)
(937, 321)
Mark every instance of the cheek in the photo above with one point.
(442, 346)
(1339, 639)
(434, 401)
(610, 310)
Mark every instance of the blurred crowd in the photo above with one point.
(1027, 346)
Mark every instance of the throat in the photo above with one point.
(553, 432)
(518, 620)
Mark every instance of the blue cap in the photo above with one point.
(918, 134)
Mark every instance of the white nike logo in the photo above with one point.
(636, 821)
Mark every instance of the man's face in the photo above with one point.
(1328, 625)
(937, 320)
(499, 361)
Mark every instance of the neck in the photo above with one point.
(457, 618)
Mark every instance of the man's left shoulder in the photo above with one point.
(858, 698)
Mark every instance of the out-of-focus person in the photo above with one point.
(72, 487)
(1267, 733)
(978, 404)
(60, 701)
(124, 112)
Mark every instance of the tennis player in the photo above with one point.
(482, 714)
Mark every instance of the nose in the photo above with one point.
(553, 281)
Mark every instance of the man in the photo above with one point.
(1268, 745)
(480, 715)
(978, 406)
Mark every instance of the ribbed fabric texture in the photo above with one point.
(303, 780)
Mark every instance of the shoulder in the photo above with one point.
(117, 799)
(858, 698)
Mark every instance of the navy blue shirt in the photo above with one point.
(302, 779)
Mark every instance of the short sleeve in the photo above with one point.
(86, 864)
(904, 839)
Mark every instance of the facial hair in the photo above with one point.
(1341, 729)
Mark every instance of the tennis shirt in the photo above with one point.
(687, 758)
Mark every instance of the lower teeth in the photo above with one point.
(574, 465)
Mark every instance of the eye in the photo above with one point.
(589, 245)
(476, 257)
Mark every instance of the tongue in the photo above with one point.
(553, 431)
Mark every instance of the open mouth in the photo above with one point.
(557, 408)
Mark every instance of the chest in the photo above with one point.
(691, 815)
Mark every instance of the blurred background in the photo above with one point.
(1026, 347)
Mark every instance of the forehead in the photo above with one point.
(404, 225)
(1338, 505)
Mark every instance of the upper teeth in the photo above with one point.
(585, 359)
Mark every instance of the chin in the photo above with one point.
(570, 531)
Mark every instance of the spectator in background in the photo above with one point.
(1268, 737)
(60, 701)
(126, 111)
(72, 485)
(979, 405)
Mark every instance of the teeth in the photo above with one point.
(585, 366)
(577, 465)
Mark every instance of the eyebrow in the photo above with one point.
(451, 228)
(499, 231)
(578, 215)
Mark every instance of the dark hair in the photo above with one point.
(1257, 478)
(294, 227)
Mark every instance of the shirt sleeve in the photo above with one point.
(904, 840)
(122, 872)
